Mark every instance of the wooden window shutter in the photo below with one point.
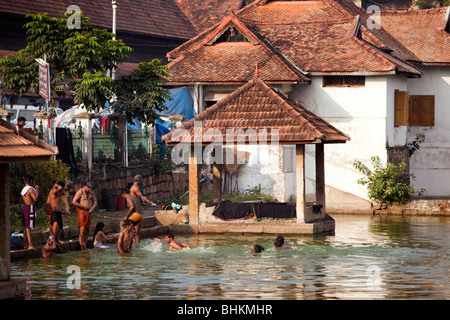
(414, 111)
(428, 111)
(401, 108)
(421, 111)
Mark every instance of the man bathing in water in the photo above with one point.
(30, 194)
(125, 241)
(134, 213)
(174, 244)
(85, 201)
(49, 249)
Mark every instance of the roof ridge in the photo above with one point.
(416, 11)
(338, 6)
(337, 20)
(282, 60)
(170, 54)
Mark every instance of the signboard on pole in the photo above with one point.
(44, 90)
(44, 79)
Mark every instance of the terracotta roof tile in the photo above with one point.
(421, 31)
(14, 147)
(388, 41)
(324, 47)
(257, 106)
(291, 11)
(203, 14)
(228, 63)
(160, 18)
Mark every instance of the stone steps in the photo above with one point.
(149, 229)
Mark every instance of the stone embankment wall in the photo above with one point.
(423, 207)
(110, 181)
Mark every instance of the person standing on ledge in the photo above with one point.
(85, 202)
(29, 194)
(135, 192)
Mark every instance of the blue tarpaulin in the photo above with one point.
(161, 128)
(181, 104)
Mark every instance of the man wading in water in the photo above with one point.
(125, 241)
(85, 201)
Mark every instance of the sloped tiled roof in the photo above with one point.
(421, 31)
(257, 107)
(159, 18)
(281, 51)
(378, 34)
(285, 12)
(230, 62)
(331, 47)
(23, 147)
(291, 11)
(203, 14)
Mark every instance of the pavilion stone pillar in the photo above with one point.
(217, 183)
(320, 178)
(193, 188)
(4, 223)
(300, 182)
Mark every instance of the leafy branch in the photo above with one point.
(384, 182)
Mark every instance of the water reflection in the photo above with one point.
(367, 258)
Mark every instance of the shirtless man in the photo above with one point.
(134, 213)
(174, 244)
(135, 192)
(30, 194)
(85, 202)
(54, 201)
(48, 250)
(125, 241)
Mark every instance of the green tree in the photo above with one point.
(141, 93)
(384, 182)
(71, 54)
(79, 60)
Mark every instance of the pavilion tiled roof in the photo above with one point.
(257, 108)
(422, 32)
(159, 18)
(22, 147)
(203, 14)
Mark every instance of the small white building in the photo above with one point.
(324, 55)
(426, 33)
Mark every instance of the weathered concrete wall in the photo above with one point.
(431, 165)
